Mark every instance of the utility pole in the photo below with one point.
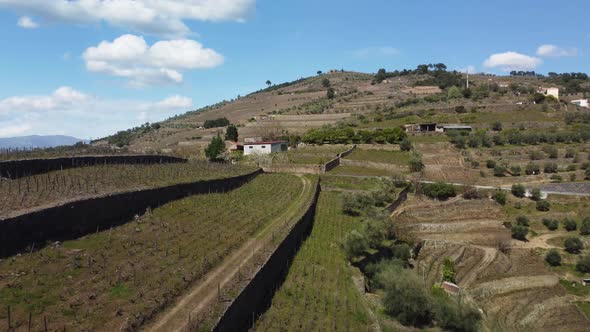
(467, 78)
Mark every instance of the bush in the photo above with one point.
(355, 244)
(551, 224)
(405, 297)
(570, 153)
(220, 122)
(536, 194)
(556, 178)
(500, 197)
(490, 163)
(587, 174)
(415, 163)
(571, 168)
(518, 190)
(471, 193)
(522, 221)
(355, 203)
(497, 126)
(449, 270)
(438, 190)
(405, 145)
(585, 228)
(460, 109)
(515, 170)
(500, 171)
(532, 168)
(520, 232)
(215, 148)
(543, 206)
(551, 152)
(570, 225)
(550, 168)
(583, 264)
(573, 245)
(536, 155)
(553, 258)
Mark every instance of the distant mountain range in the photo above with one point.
(37, 141)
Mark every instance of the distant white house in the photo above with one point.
(549, 92)
(265, 147)
(581, 102)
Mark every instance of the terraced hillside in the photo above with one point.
(120, 278)
(510, 284)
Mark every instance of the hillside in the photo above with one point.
(36, 141)
(362, 99)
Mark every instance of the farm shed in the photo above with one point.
(446, 128)
(265, 147)
(422, 127)
(581, 102)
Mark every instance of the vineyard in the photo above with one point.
(319, 293)
(120, 278)
(399, 158)
(75, 183)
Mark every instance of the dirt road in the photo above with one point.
(204, 294)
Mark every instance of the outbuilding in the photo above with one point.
(265, 147)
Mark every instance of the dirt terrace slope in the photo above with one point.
(514, 289)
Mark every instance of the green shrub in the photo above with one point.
(520, 232)
(522, 221)
(449, 270)
(585, 228)
(500, 197)
(215, 148)
(415, 163)
(570, 225)
(553, 257)
(405, 145)
(543, 205)
(570, 153)
(355, 203)
(439, 190)
(500, 171)
(583, 264)
(536, 194)
(515, 170)
(355, 244)
(490, 163)
(518, 190)
(556, 178)
(532, 169)
(573, 245)
(551, 224)
(405, 297)
(550, 168)
(536, 155)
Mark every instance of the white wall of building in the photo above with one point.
(264, 148)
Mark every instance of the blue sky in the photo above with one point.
(164, 57)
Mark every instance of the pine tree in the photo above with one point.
(231, 133)
(215, 148)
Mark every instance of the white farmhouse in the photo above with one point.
(581, 102)
(265, 147)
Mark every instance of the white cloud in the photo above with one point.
(130, 57)
(69, 111)
(554, 51)
(161, 17)
(383, 51)
(26, 22)
(512, 61)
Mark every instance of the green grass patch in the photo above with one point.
(400, 158)
(574, 287)
(585, 307)
(120, 291)
(363, 171)
(347, 182)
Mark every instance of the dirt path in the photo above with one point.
(489, 255)
(203, 295)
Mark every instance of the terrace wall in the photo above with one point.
(75, 219)
(401, 198)
(19, 168)
(256, 297)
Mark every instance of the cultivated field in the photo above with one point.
(20, 195)
(319, 293)
(120, 278)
